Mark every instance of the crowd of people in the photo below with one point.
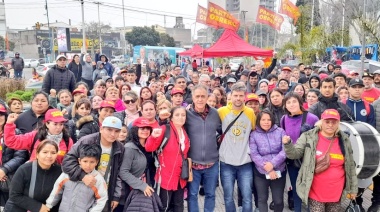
(96, 139)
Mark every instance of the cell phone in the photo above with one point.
(278, 173)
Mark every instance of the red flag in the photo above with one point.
(221, 18)
(269, 17)
(289, 9)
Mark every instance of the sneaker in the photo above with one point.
(374, 208)
(290, 200)
(202, 191)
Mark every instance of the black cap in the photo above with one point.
(356, 82)
(337, 66)
(213, 77)
(365, 74)
(308, 67)
(245, 73)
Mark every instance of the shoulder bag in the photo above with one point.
(323, 162)
(221, 137)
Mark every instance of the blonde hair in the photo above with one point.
(163, 101)
(112, 88)
(319, 125)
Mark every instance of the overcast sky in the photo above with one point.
(21, 14)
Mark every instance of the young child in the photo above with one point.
(76, 196)
(123, 134)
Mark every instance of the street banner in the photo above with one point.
(63, 39)
(269, 18)
(289, 9)
(201, 15)
(220, 18)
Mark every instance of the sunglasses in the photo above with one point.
(129, 101)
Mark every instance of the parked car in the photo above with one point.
(29, 63)
(43, 68)
(42, 60)
(355, 65)
(118, 59)
(290, 63)
(235, 63)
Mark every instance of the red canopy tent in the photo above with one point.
(231, 45)
(196, 51)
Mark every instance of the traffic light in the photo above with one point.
(38, 26)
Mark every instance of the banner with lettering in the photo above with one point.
(201, 15)
(220, 18)
(289, 9)
(269, 18)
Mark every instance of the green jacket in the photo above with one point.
(306, 147)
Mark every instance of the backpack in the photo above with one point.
(366, 106)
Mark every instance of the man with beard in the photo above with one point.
(376, 80)
(18, 65)
(370, 93)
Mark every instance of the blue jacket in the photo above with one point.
(267, 147)
(360, 114)
(107, 65)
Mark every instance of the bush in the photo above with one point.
(23, 95)
(8, 86)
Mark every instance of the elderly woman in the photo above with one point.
(324, 187)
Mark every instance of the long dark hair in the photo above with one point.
(42, 133)
(260, 115)
(133, 136)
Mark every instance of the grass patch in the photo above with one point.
(8, 86)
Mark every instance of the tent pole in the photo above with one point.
(261, 35)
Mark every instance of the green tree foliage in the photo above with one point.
(3, 44)
(143, 36)
(166, 40)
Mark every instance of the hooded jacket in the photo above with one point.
(266, 146)
(87, 68)
(360, 113)
(99, 73)
(306, 147)
(87, 125)
(332, 103)
(71, 166)
(107, 66)
(76, 69)
(278, 112)
(314, 76)
(58, 78)
(169, 171)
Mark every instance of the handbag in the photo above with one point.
(220, 138)
(323, 162)
(353, 207)
(186, 171)
(6, 185)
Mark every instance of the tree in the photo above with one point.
(143, 36)
(92, 32)
(3, 44)
(166, 40)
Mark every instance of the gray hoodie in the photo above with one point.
(98, 73)
(87, 68)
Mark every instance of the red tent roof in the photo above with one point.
(231, 45)
(196, 51)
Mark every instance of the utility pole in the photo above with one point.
(344, 10)
(312, 15)
(100, 32)
(83, 28)
(125, 42)
(245, 27)
(51, 39)
(363, 35)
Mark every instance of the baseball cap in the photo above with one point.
(163, 75)
(61, 56)
(54, 115)
(251, 97)
(231, 79)
(322, 70)
(376, 72)
(2, 109)
(245, 73)
(142, 122)
(112, 122)
(227, 66)
(176, 91)
(78, 90)
(213, 77)
(261, 92)
(365, 74)
(323, 76)
(330, 114)
(123, 71)
(286, 68)
(356, 82)
(107, 103)
(354, 73)
(308, 67)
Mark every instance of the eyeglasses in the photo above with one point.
(129, 101)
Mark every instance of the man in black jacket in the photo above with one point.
(109, 164)
(329, 100)
(17, 65)
(59, 77)
(263, 72)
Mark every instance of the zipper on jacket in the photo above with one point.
(270, 148)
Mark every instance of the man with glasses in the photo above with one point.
(59, 77)
(17, 65)
(205, 80)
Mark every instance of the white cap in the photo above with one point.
(61, 56)
(377, 72)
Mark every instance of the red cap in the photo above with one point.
(323, 76)
(286, 68)
(2, 109)
(123, 71)
(54, 115)
(107, 103)
(176, 91)
(142, 122)
(251, 97)
(330, 114)
(78, 90)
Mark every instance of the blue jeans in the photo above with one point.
(293, 174)
(17, 74)
(210, 179)
(244, 176)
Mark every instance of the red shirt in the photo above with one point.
(328, 186)
(371, 95)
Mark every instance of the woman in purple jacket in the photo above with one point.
(295, 122)
(268, 155)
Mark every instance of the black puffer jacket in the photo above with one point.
(76, 69)
(28, 121)
(278, 112)
(58, 79)
(12, 159)
(87, 125)
(332, 103)
(138, 202)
